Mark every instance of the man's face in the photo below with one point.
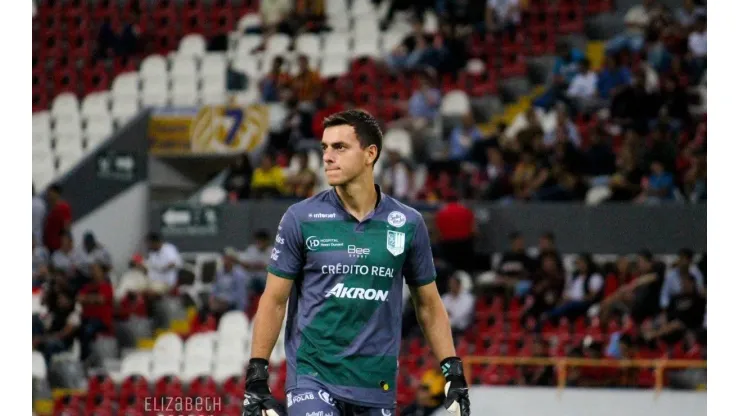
(261, 243)
(344, 157)
(517, 244)
(454, 286)
(66, 242)
(228, 262)
(644, 265)
(545, 244)
(154, 245)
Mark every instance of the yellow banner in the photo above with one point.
(208, 130)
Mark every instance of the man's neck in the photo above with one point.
(359, 196)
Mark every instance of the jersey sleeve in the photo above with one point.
(286, 259)
(418, 269)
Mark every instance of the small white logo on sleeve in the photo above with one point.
(275, 254)
(326, 398)
(386, 412)
(279, 240)
(396, 219)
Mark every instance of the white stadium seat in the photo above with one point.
(153, 67)
(213, 63)
(336, 44)
(308, 44)
(98, 129)
(390, 39)
(154, 93)
(41, 127)
(193, 45)
(334, 66)
(124, 109)
(126, 85)
(168, 345)
(184, 95)
(248, 97)
(234, 323)
(95, 104)
(196, 367)
(213, 97)
(250, 20)
(363, 8)
(64, 104)
(398, 140)
(246, 44)
(184, 69)
(277, 44)
(38, 366)
(137, 363)
(366, 47)
(250, 65)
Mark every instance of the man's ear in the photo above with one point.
(371, 153)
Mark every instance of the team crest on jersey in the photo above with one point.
(396, 219)
(395, 242)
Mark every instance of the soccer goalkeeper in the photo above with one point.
(338, 263)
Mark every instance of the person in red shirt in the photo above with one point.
(57, 220)
(96, 299)
(456, 229)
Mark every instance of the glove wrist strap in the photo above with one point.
(257, 370)
(452, 368)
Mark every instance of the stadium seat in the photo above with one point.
(277, 44)
(249, 65)
(335, 44)
(398, 140)
(124, 109)
(213, 64)
(250, 20)
(38, 366)
(234, 324)
(126, 85)
(184, 94)
(41, 127)
(192, 45)
(153, 67)
(390, 39)
(308, 44)
(98, 129)
(154, 92)
(246, 44)
(95, 104)
(334, 66)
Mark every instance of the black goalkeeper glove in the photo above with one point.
(258, 400)
(456, 389)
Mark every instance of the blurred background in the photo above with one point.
(557, 150)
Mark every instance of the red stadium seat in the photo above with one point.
(101, 384)
(234, 387)
(599, 6)
(69, 405)
(169, 386)
(221, 21)
(96, 79)
(134, 386)
(542, 40)
(65, 80)
(193, 21)
(571, 18)
(203, 386)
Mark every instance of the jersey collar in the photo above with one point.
(338, 202)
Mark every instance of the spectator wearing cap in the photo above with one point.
(162, 264)
(255, 260)
(230, 287)
(636, 21)
(58, 218)
(503, 15)
(456, 226)
(672, 283)
(94, 252)
(96, 299)
(460, 305)
(429, 396)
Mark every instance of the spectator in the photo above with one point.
(310, 16)
(58, 219)
(230, 288)
(396, 176)
(331, 105)
(408, 54)
(92, 253)
(96, 299)
(619, 277)
(698, 39)
(55, 331)
(625, 183)
(635, 106)
(636, 21)
(674, 104)
(599, 157)
(276, 17)
(255, 260)
(429, 396)
(162, 264)
(582, 290)
(418, 8)
(40, 261)
(307, 83)
(38, 210)
(695, 179)
(129, 41)
(582, 89)
(456, 226)
(516, 267)
(503, 16)
(612, 78)
(463, 137)
(133, 281)
(689, 12)
(274, 80)
(495, 180)
(236, 80)
(685, 311)
(547, 286)
(564, 126)
(646, 297)
(539, 375)
(460, 305)
(268, 180)
(423, 108)
(239, 178)
(672, 284)
(546, 244)
(107, 40)
(658, 186)
(68, 261)
(303, 181)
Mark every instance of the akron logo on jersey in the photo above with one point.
(396, 219)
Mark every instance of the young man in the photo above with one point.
(340, 259)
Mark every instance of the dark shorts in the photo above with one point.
(308, 402)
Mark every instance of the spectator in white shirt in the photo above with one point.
(636, 22)
(698, 47)
(94, 253)
(503, 15)
(672, 282)
(162, 263)
(582, 89)
(255, 260)
(688, 13)
(583, 289)
(396, 176)
(460, 305)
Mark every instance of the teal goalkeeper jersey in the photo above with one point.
(343, 330)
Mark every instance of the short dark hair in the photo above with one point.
(686, 252)
(646, 254)
(55, 187)
(549, 235)
(366, 127)
(514, 235)
(153, 237)
(262, 235)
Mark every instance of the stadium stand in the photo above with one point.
(492, 109)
